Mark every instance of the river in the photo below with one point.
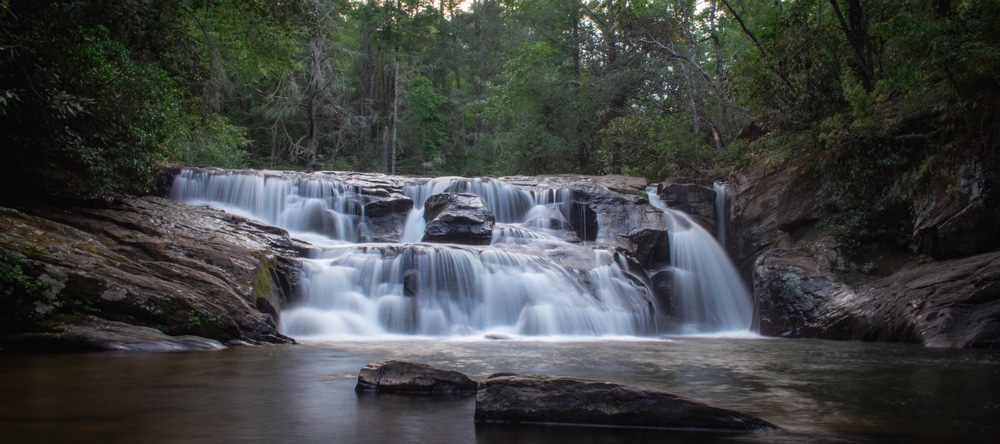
(815, 391)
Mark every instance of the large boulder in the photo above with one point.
(458, 218)
(385, 216)
(413, 378)
(144, 262)
(510, 398)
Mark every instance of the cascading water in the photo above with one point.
(721, 212)
(708, 290)
(311, 209)
(536, 277)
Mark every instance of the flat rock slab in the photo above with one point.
(413, 378)
(95, 334)
(509, 398)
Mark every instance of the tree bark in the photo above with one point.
(855, 28)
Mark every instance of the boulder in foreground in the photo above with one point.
(412, 378)
(508, 398)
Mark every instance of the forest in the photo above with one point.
(96, 95)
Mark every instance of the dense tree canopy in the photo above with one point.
(95, 94)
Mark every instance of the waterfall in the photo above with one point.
(459, 291)
(537, 277)
(721, 212)
(708, 290)
(312, 209)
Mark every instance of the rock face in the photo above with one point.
(942, 304)
(924, 272)
(93, 333)
(458, 218)
(102, 275)
(548, 399)
(695, 200)
(412, 378)
(795, 299)
(963, 223)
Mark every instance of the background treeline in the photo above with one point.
(95, 94)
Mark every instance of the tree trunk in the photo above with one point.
(855, 28)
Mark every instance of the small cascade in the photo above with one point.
(721, 212)
(544, 210)
(419, 193)
(708, 290)
(311, 208)
(459, 291)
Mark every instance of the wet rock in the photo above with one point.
(508, 398)
(796, 299)
(695, 200)
(498, 336)
(386, 216)
(146, 262)
(413, 378)
(458, 218)
(661, 283)
(95, 334)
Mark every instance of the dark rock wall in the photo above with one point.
(924, 272)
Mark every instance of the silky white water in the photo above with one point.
(535, 279)
(707, 288)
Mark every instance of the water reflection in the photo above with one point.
(815, 391)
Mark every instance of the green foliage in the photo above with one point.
(262, 283)
(211, 141)
(200, 320)
(426, 121)
(15, 279)
(97, 93)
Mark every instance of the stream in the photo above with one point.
(815, 391)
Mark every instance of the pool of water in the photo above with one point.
(815, 391)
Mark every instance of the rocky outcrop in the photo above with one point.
(96, 334)
(939, 304)
(511, 398)
(797, 300)
(100, 275)
(695, 200)
(458, 218)
(919, 273)
(964, 222)
(773, 208)
(413, 378)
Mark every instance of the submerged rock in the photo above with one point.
(514, 398)
(413, 378)
(458, 218)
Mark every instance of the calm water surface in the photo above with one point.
(816, 391)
